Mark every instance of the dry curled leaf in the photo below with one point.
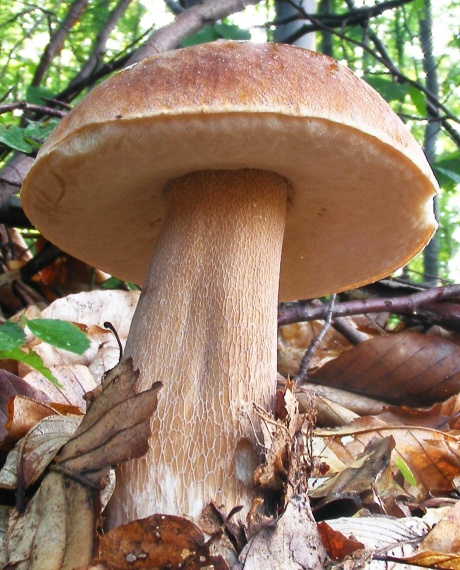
(116, 427)
(432, 456)
(10, 386)
(279, 439)
(57, 531)
(27, 462)
(441, 546)
(24, 414)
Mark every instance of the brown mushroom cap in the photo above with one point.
(360, 203)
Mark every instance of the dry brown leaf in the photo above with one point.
(75, 379)
(23, 414)
(292, 542)
(406, 368)
(337, 407)
(32, 455)
(435, 560)
(116, 427)
(10, 386)
(337, 545)
(443, 539)
(432, 456)
(382, 536)
(294, 340)
(367, 482)
(278, 438)
(58, 529)
(156, 543)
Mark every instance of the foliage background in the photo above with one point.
(53, 51)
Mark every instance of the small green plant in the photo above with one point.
(406, 471)
(60, 334)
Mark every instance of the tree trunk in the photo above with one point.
(431, 253)
(285, 12)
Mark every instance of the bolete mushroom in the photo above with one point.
(232, 168)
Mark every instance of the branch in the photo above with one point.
(57, 41)
(41, 109)
(406, 305)
(95, 59)
(434, 105)
(354, 17)
(187, 23)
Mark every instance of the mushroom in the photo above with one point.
(239, 171)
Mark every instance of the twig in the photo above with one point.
(302, 374)
(405, 305)
(41, 109)
(434, 105)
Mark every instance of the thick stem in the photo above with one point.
(206, 326)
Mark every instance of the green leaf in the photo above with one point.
(37, 95)
(406, 471)
(114, 283)
(61, 334)
(33, 360)
(418, 99)
(450, 174)
(387, 88)
(13, 137)
(216, 32)
(11, 336)
(231, 32)
(40, 129)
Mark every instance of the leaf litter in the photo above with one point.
(382, 457)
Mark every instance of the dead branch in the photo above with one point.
(405, 305)
(40, 109)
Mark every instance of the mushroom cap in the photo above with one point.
(360, 198)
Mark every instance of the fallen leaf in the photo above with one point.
(75, 381)
(337, 545)
(27, 462)
(116, 427)
(432, 456)
(291, 542)
(157, 542)
(10, 386)
(367, 482)
(383, 536)
(406, 368)
(57, 531)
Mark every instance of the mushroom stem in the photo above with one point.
(206, 327)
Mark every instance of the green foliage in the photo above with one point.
(61, 334)
(406, 471)
(26, 29)
(388, 88)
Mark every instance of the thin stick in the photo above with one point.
(302, 374)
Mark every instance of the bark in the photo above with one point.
(290, 20)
